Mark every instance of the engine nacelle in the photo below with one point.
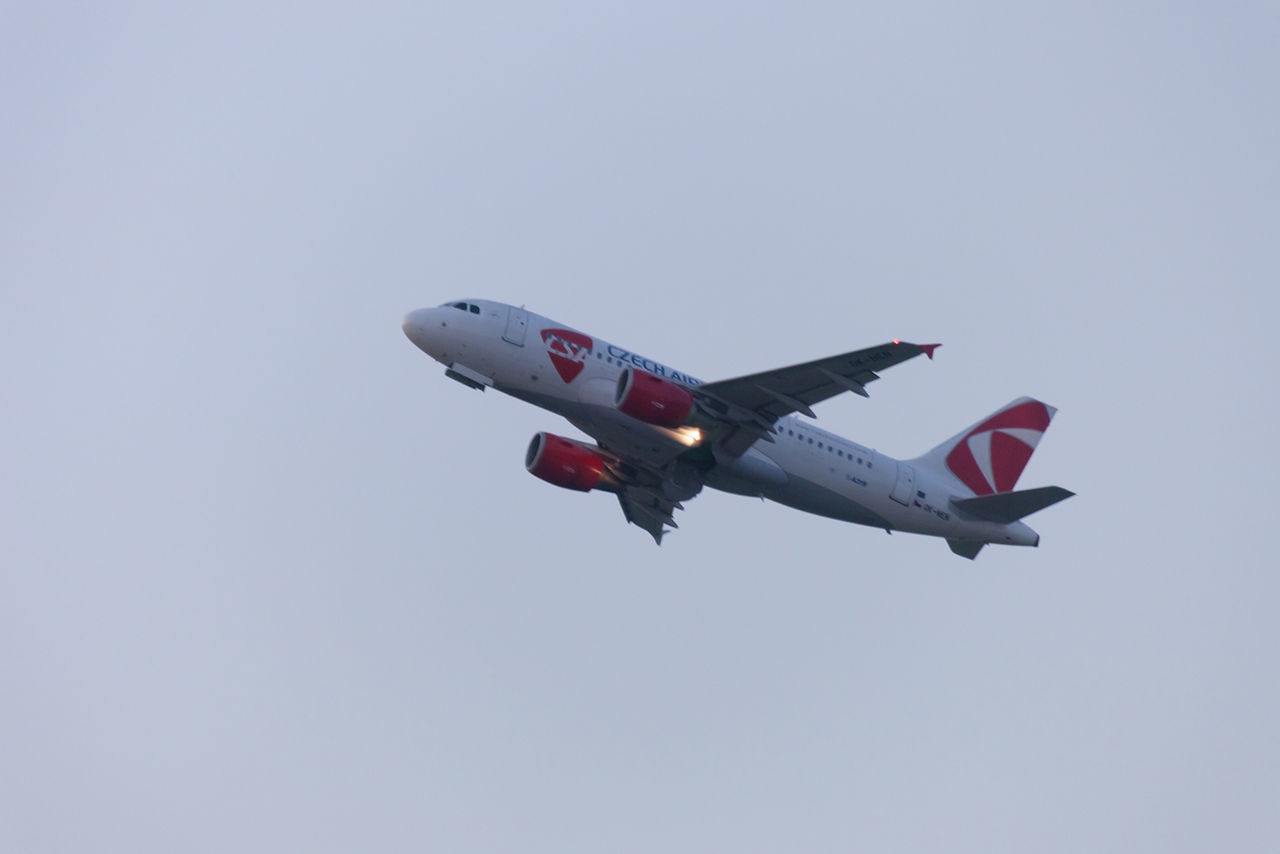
(557, 460)
(652, 399)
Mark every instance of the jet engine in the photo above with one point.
(652, 399)
(557, 460)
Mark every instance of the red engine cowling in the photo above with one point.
(652, 399)
(564, 463)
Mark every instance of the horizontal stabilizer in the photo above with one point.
(965, 548)
(1006, 507)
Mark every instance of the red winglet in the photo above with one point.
(929, 348)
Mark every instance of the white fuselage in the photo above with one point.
(487, 343)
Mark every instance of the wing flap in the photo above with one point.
(649, 496)
(773, 394)
(648, 511)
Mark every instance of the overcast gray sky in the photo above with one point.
(271, 582)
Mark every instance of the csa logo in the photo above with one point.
(992, 456)
(568, 350)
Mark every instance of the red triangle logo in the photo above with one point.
(568, 350)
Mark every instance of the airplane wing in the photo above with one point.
(648, 493)
(651, 479)
(756, 401)
(649, 510)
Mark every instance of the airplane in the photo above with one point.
(661, 435)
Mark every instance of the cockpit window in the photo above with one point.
(475, 309)
(460, 305)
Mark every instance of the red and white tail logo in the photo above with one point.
(991, 456)
(568, 350)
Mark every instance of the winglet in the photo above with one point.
(928, 349)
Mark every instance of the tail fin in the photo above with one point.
(989, 456)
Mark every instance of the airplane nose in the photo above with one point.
(415, 327)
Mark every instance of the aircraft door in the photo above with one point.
(905, 485)
(517, 321)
